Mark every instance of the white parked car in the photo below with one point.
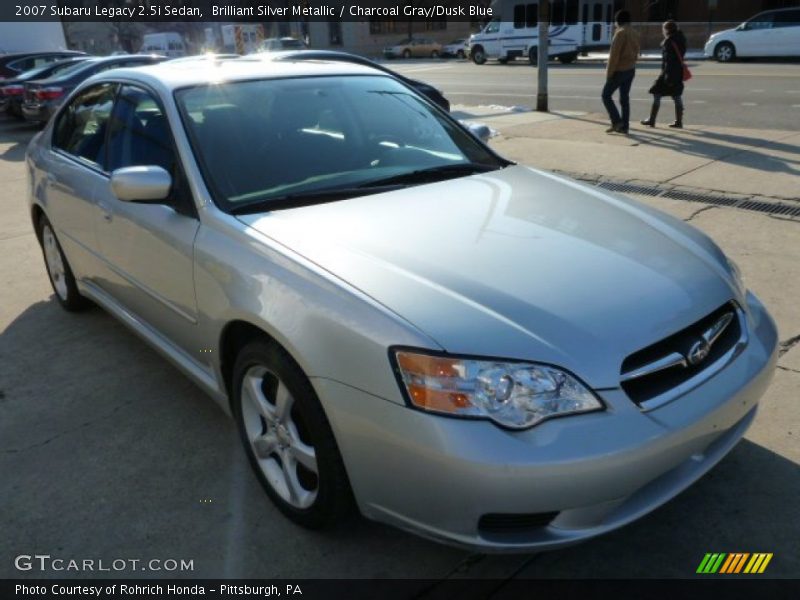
(770, 33)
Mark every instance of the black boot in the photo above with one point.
(651, 122)
(678, 124)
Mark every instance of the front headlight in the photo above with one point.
(516, 395)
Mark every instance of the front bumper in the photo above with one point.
(708, 50)
(438, 476)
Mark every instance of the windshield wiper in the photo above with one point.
(433, 174)
(308, 198)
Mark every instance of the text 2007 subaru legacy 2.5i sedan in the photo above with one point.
(399, 319)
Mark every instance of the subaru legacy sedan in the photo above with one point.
(400, 321)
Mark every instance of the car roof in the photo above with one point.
(6, 58)
(94, 60)
(169, 75)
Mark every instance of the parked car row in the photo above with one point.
(36, 94)
(411, 47)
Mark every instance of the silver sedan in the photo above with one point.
(400, 321)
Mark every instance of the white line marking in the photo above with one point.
(757, 91)
(749, 104)
(795, 105)
(699, 102)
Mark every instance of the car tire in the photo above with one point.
(460, 54)
(569, 58)
(286, 435)
(725, 52)
(478, 55)
(533, 56)
(406, 53)
(503, 61)
(434, 54)
(58, 270)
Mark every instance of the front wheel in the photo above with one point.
(533, 56)
(406, 53)
(478, 55)
(725, 52)
(287, 437)
(435, 54)
(58, 269)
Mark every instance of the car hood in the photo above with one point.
(517, 264)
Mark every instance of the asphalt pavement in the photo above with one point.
(761, 95)
(108, 452)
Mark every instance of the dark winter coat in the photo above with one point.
(670, 81)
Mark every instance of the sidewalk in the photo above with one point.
(646, 55)
(736, 162)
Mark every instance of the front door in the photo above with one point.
(149, 247)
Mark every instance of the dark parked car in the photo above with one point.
(12, 65)
(423, 88)
(13, 90)
(43, 96)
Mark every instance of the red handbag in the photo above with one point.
(687, 74)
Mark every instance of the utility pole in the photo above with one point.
(541, 63)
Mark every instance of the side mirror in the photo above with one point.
(480, 130)
(141, 184)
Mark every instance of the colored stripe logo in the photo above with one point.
(734, 563)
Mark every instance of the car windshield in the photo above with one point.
(292, 44)
(268, 140)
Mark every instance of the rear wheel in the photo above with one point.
(533, 56)
(478, 55)
(58, 269)
(435, 54)
(406, 53)
(287, 437)
(460, 54)
(503, 61)
(725, 52)
(569, 58)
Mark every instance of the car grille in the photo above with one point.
(653, 372)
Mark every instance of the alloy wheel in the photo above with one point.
(55, 265)
(279, 438)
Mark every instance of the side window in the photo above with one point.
(81, 126)
(788, 18)
(762, 21)
(139, 133)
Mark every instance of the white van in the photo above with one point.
(770, 33)
(168, 44)
(575, 26)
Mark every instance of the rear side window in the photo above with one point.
(82, 125)
(139, 132)
(788, 18)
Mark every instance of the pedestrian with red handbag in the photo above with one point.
(673, 74)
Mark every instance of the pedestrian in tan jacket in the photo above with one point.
(620, 72)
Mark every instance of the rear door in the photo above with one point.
(75, 176)
(148, 248)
